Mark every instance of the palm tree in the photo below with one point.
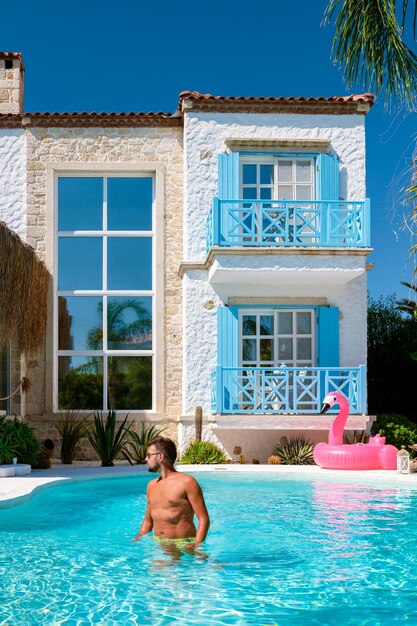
(369, 45)
(118, 330)
(406, 305)
(124, 374)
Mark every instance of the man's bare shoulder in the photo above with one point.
(186, 480)
(151, 484)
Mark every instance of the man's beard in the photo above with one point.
(153, 470)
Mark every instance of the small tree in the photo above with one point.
(391, 340)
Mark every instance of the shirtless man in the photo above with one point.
(172, 500)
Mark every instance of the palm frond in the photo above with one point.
(369, 46)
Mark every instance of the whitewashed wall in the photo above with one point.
(200, 330)
(204, 139)
(13, 180)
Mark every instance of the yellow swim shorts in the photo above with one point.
(179, 542)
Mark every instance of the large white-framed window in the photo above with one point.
(277, 178)
(104, 290)
(277, 337)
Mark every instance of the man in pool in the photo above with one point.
(172, 501)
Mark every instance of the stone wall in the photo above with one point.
(46, 428)
(11, 87)
(82, 147)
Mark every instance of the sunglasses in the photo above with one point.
(152, 454)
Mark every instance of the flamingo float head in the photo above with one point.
(330, 400)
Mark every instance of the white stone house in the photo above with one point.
(212, 257)
(276, 237)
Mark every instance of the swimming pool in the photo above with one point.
(280, 551)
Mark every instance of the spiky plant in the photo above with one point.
(72, 429)
(357, 436)
(295, 451)
(105, 439)
(136, 446)
(203, 453)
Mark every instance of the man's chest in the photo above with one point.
(167, 496)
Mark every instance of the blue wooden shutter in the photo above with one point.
(327, 191)
(227, 355)
(227, 336)
(328, 177)
(228, 190)
(229, 176)
(328, 336)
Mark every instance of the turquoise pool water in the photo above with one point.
(279, 552)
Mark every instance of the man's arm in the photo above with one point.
(147, 523)
(196, 499)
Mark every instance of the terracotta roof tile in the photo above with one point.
(291, 104)
(84, 119)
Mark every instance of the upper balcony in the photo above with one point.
(286, 223)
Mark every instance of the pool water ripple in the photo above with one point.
(279, 551)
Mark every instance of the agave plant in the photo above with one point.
(203, 452)
(105, 439)
(72, 429)
(295, 451)
(357, 436)
(136, 447)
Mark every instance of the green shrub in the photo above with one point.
(295, 451)
(72, 428)
(202, 453)
(105, 439)
(18, 439)
(136, 447)
(398, 429)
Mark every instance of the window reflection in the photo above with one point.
(129, 323)
(80, 261)
(80, 203)
(129, 263)
(80, 382)
(129, 382)
(84, 319)
(129, 202)
(80, 323)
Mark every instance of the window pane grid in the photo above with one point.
(291, 341)
(289, 179)
(121, 357)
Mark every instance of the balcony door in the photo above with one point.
(282, 181)
(276, 338)
(277, 179)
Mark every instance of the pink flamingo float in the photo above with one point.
(360, 456)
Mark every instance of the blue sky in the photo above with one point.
(138, 56)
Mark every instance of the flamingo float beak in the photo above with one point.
(324, 408)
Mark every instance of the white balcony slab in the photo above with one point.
(251, 275)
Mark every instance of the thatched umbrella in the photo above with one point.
(23, 293)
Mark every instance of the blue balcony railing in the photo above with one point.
(285, 389)
(282, 223)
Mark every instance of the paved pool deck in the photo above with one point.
(16, 490)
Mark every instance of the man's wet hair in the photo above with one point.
(165, 445)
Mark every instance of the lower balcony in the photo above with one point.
(285, 390)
